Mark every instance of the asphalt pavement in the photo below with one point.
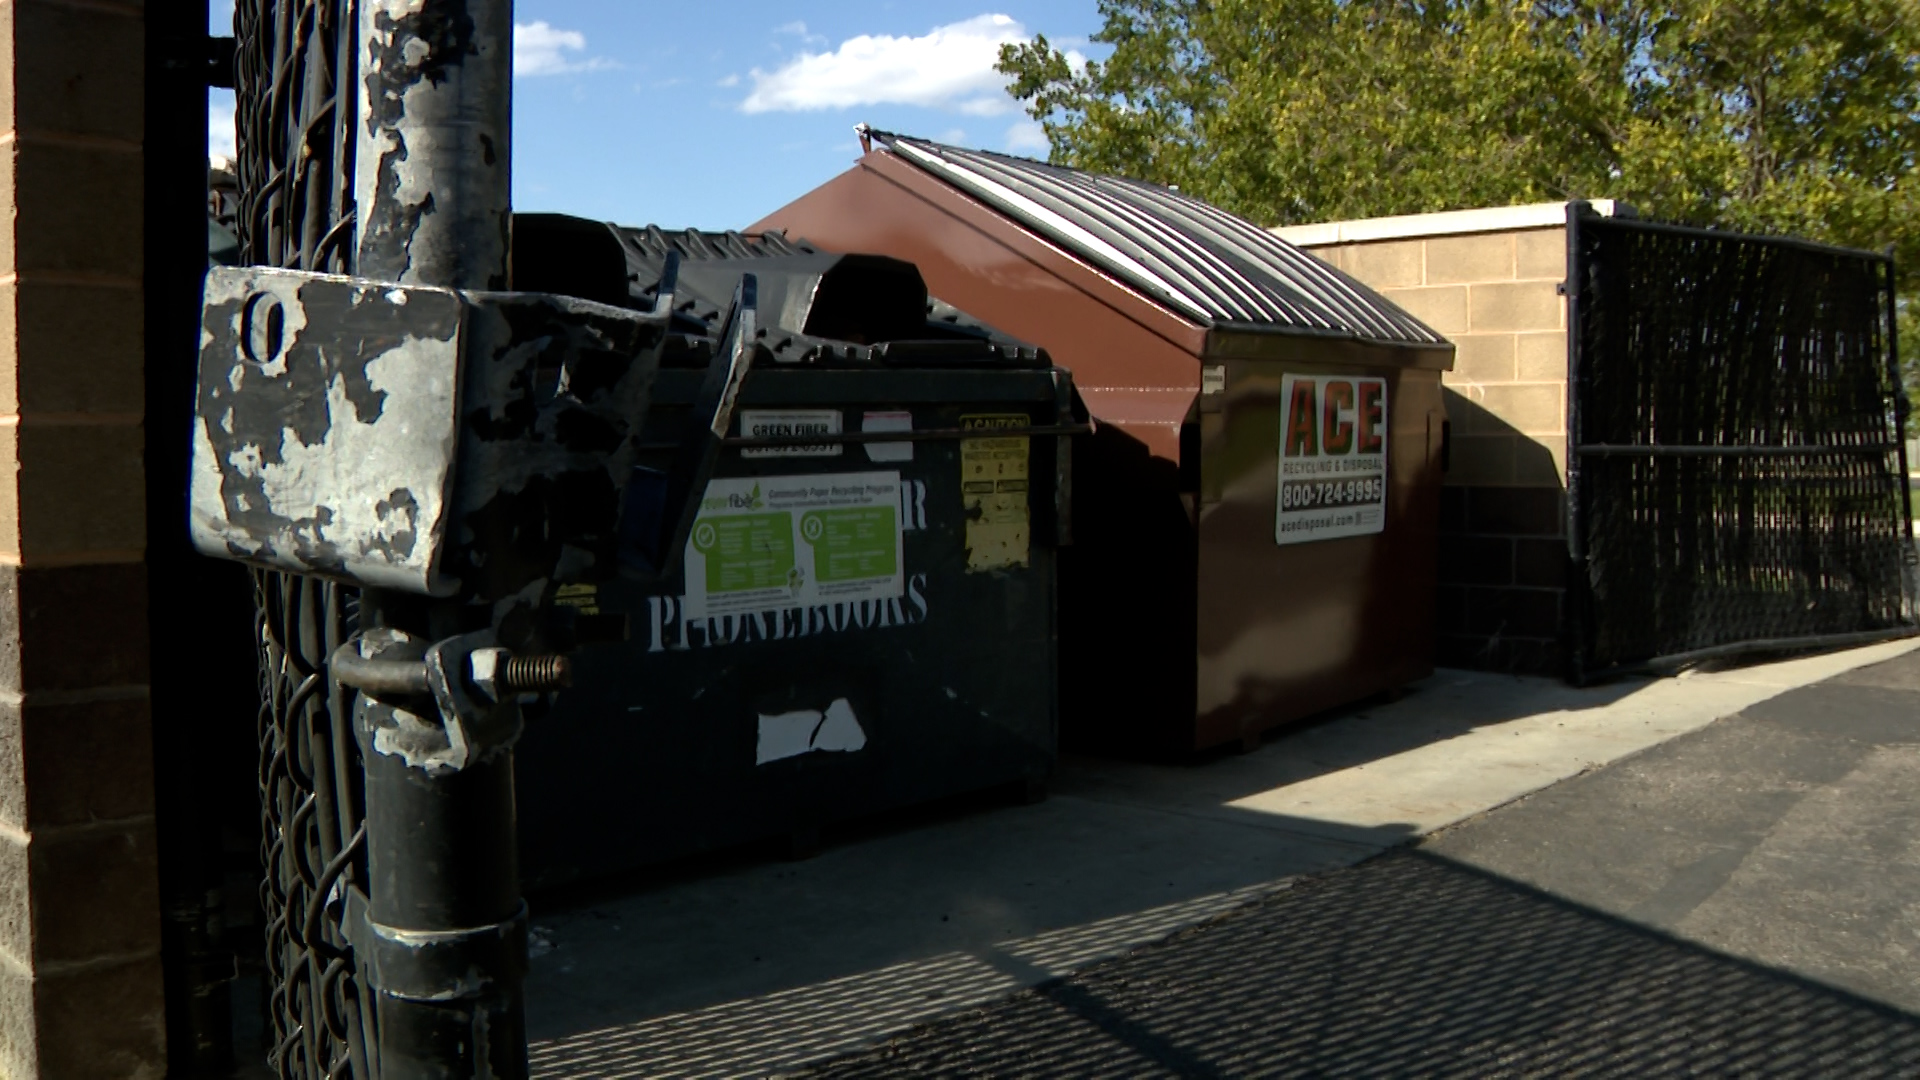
(1740, 900)
(1492, 876)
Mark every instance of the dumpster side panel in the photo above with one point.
(1126, 603)
(697, 733)
(1289, 630)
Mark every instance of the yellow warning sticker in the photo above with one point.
(993, 491)
(584, 597)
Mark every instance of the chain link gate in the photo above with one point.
(415, 460)
(294, 110)
(1738, 477)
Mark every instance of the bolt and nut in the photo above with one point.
(500, 674)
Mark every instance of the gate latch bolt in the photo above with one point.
(499, 674)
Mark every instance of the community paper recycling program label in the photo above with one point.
(1333, 457)
(766, 543)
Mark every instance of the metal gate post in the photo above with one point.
(444, 907)
(432, 157)
(1574, 619)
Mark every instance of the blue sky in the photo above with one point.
(712, 113)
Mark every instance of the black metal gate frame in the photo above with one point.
(1580, 595)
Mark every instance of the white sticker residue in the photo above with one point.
(888, 421)
(768, 543)
(1213, 378)
(805, 731)
(1333, 457)
(840, 730)
(786, 735)
(789, 424)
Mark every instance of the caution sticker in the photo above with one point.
(583, 598)
(993, 491)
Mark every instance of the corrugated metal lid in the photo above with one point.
(1199, 261)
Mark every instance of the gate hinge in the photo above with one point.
(203, 58)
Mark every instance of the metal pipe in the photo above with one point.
(431, 188)
(1700, 233)
(1672, 661)
(432, 160)
(1901, 407)
(1579, 584)
(921, 435)
(380, 678)
(1644, 450)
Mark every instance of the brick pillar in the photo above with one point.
(1503, 559)
(80, 986)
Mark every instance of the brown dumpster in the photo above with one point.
(1255, 520)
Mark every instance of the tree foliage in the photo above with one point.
(1788, 116)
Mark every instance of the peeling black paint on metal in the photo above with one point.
(556, 397)
(447, 29)
(450, 33)
(268, 410)
(402, 501)
(554, 393)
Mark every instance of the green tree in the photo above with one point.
(1309, 110)
(1791, 116)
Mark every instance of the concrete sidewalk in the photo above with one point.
(752, 968)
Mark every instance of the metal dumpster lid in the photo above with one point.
(1199, 261)
(947, 335)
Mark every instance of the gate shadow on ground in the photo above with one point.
(738, 965)
(1413, 965)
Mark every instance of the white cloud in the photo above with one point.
(952, 137)
(542, 49)
(799, 29)
(221, 139)
(950, 67)
(731, 80)
(1028, 137)
(987, 106)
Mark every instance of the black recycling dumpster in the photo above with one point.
(865, 618)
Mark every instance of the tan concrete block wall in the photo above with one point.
(80, 988)
(1502, 548)
(1468, 259)
(1496, 296)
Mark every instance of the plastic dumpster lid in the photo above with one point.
(1199, 261)
(817, 307)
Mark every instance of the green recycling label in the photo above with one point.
(852, 545)
(773, 542)
(748, 551)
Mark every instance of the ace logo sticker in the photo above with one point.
(1333, 457)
